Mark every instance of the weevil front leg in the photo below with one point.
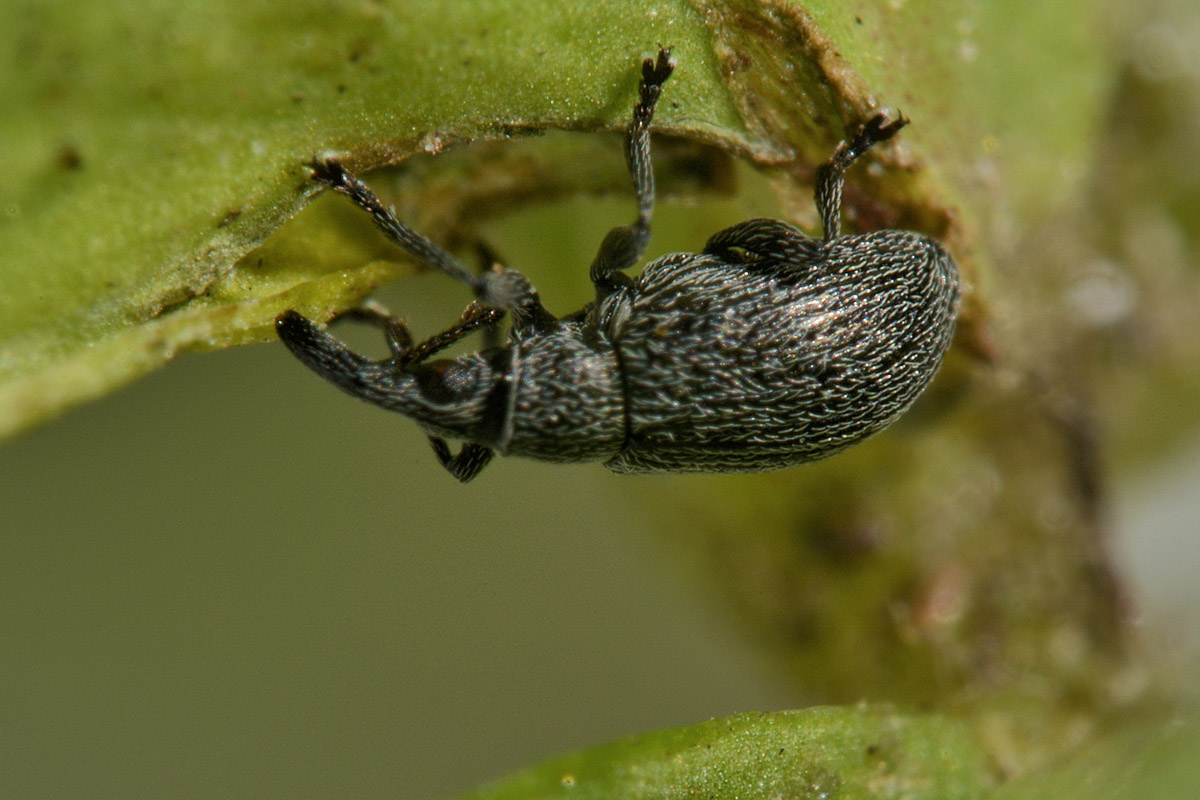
(504, 289)
(623, 246)
(464, 465)
(832, 174)
(395, 331)
(406, 354)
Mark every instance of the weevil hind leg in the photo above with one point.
(831, 176)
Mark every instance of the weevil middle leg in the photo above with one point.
(624, 245)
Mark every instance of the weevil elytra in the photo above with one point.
(767, 349)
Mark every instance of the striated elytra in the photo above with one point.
(767, 349)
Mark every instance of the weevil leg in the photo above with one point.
(475, 316)
(505, 289)
(329, 171)
(832, 174)
(404, 352)
(623, 246)
(464, 465)
(395, 331)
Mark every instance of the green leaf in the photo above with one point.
(152, 145)
(816, 753)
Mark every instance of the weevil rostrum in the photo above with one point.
(767, 349)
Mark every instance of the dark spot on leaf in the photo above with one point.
(69, 158)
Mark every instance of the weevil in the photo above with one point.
(768, 348)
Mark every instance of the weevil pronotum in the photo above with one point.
(769, 348)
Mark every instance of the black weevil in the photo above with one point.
(767, 349)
